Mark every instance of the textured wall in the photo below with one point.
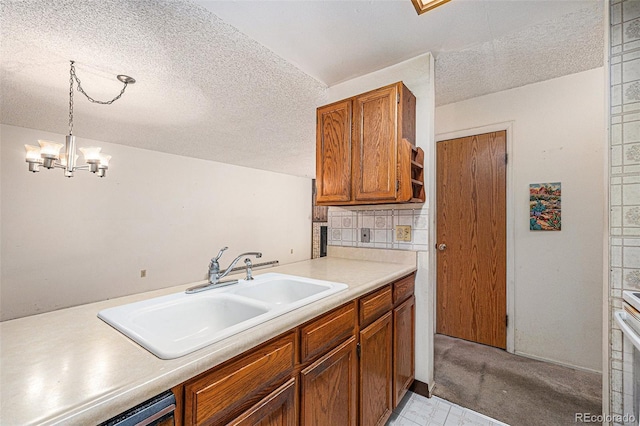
(67, 242)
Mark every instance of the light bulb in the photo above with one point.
(33, 154)
(104, 161)
(91, 154)
(50, 149)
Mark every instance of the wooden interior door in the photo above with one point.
(375, 146)
(333, 152)
(471, 238)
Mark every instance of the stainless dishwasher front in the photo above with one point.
(157, 411)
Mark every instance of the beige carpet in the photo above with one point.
(516, 390)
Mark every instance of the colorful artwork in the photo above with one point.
(544, 206)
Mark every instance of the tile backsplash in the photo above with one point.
(315, 240)
(345, 226)
(624, 189)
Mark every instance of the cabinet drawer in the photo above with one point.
(375, 304)
(213, 396)
(327, 331)
(403, 288)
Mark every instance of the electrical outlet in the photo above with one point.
(365, 235)
(143, 273)
(403, 233)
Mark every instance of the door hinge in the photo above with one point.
(506, 320)
(506, 158)
(397, 185)
(358, 350)
(397, 98)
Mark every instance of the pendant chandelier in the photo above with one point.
(48, 154)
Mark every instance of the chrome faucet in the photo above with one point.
(219, 276)
(214, 271)
(214, 267)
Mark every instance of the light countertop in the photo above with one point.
(69, 367)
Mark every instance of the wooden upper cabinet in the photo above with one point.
(333, 153)
(366, 151)
(375, 150)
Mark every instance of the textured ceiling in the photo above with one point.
(203, 88)
(480, 46)
(566, 44)
(246, 94)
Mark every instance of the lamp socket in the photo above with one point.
(403, 233)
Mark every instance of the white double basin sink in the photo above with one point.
(177, 324)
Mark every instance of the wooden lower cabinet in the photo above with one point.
(218, 395)
(328, 391)
(350, 366)
(403, 348)
(277, 409)
(376, 369)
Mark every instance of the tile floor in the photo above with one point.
(417, 410)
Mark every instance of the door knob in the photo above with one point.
(442, 247)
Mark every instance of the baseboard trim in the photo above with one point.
(422, 388)
(553, 361)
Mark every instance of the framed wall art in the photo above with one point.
(545, 213)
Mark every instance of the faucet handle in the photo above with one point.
(220, 253)
(248, 264)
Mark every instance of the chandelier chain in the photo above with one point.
(81, 90)
(71, 99)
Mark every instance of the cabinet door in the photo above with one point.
(277, 409)
(329, 388)
(403, 348)
(376, 372)
(333, 153)
(375, 148)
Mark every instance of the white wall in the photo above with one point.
(558, 128)
(72, 241)
(417, 75)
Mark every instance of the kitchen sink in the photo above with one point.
(177, 324)
(281, 291)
